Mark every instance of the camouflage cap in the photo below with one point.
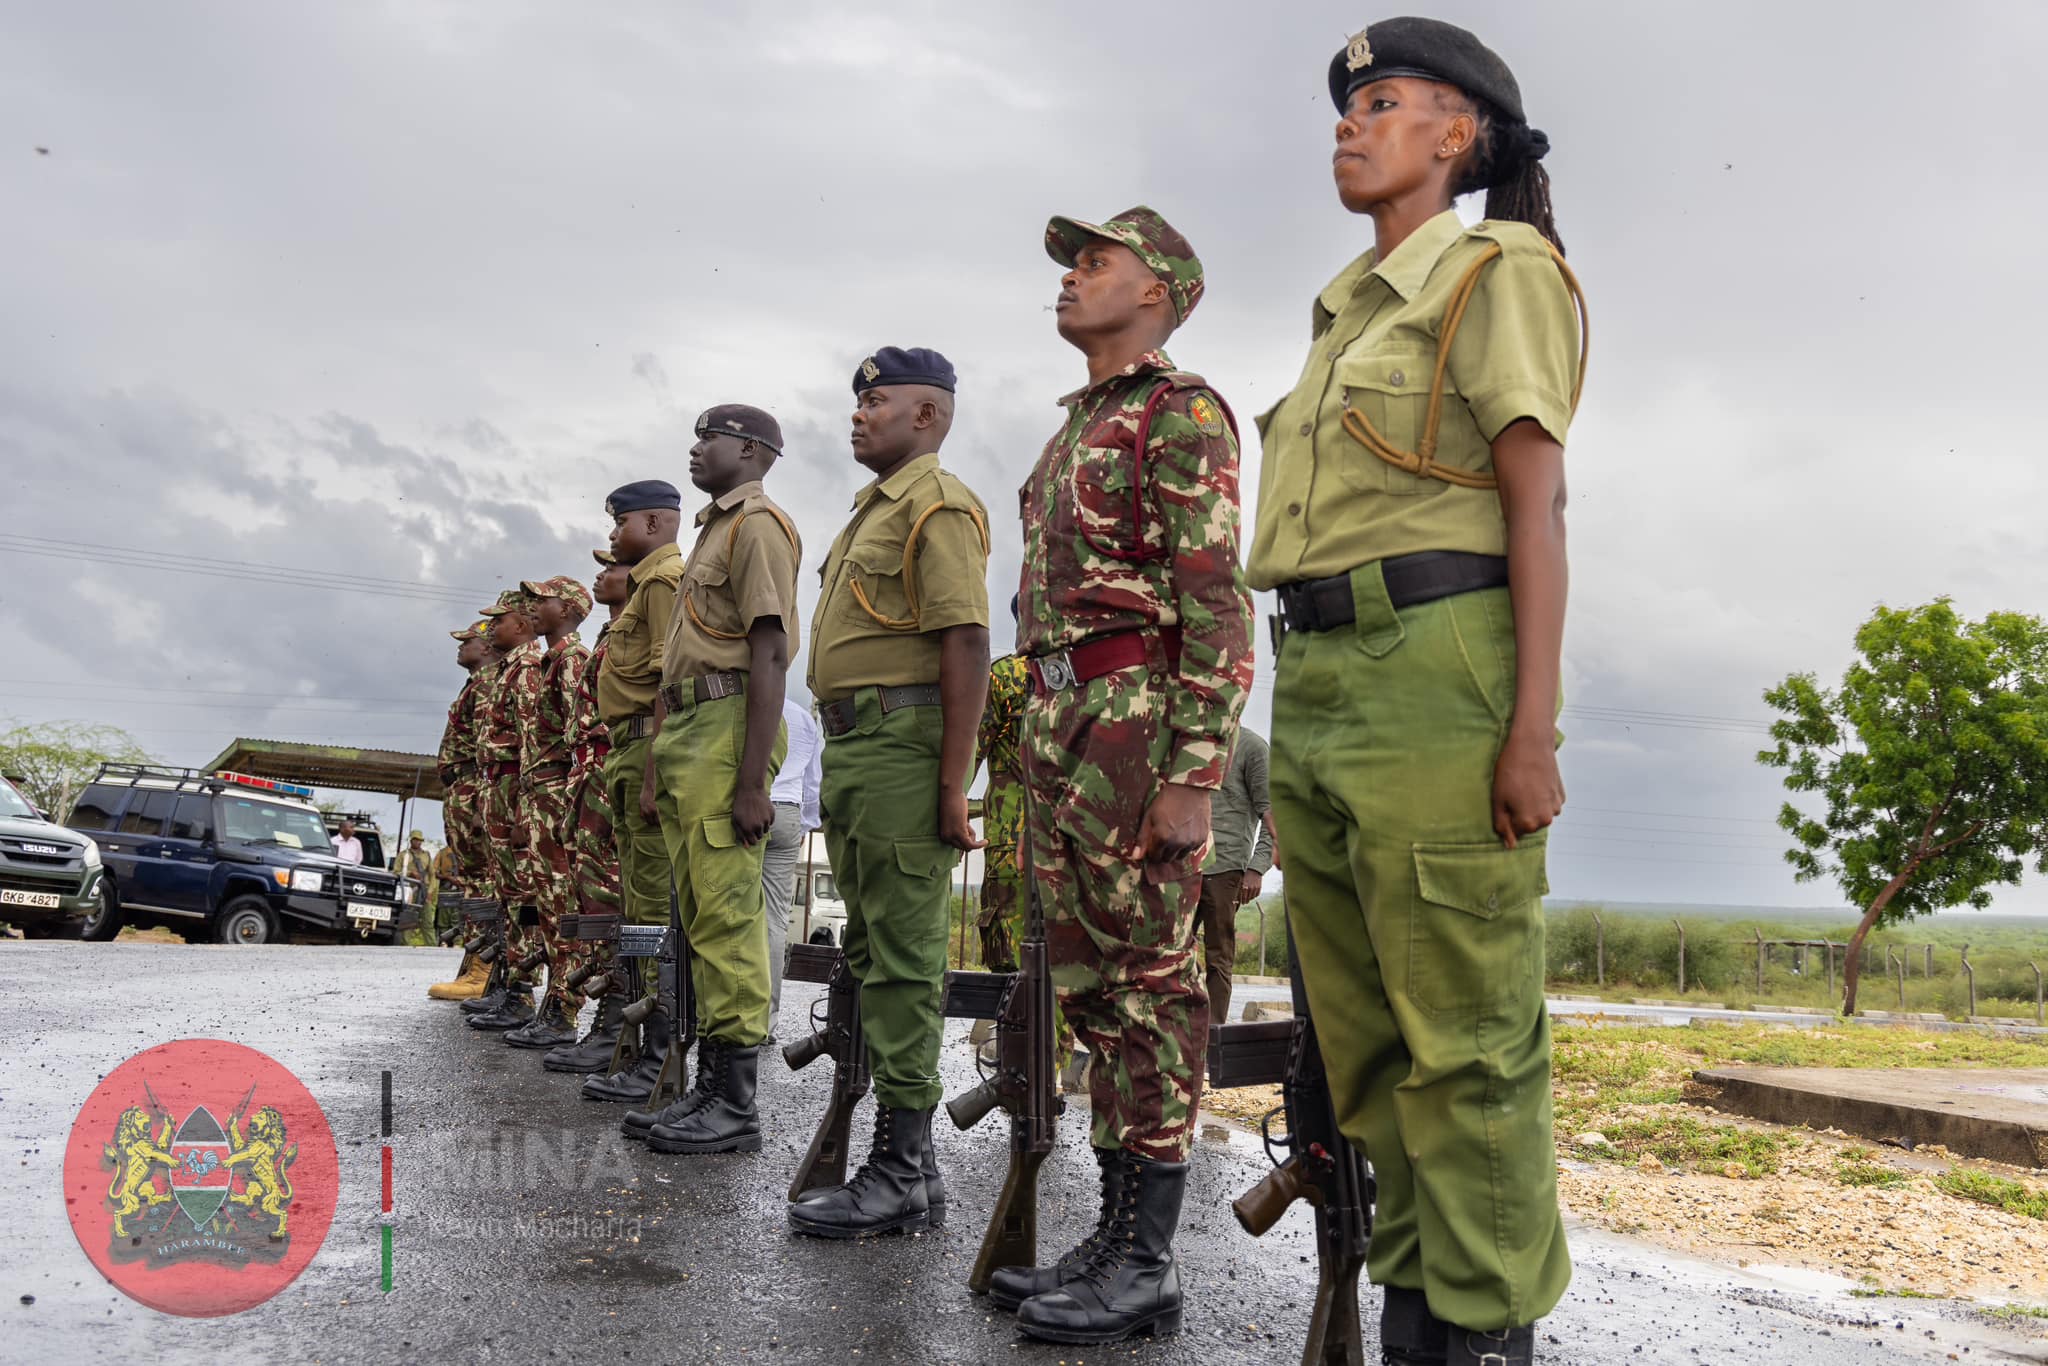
(563, 587)
(471, 631)
(1157, 242)
(419, 837)
(511, 600)
(604, 557)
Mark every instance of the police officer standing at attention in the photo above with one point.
(719, 740)
(899, 665)
(645, 517)
(1411, 515)
(1135, 617)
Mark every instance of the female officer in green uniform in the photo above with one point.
(1411, 517)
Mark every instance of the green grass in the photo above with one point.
(1679, 1140)
(2016, 1311)
(1870, 1174)
(1996, 1191)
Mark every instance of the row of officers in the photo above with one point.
(1410, 517)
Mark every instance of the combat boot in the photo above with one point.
(491, 999)
(593, 1052)
(885, 1195)
(1501, 1347)
(725, 1121)
(553, 1027)
(1130, 1283)
(1012, 1285)
(634, 1085)
(934, 1184)
(637, 1123)
(1409, 1334)
(468, 984)
(517, 1010)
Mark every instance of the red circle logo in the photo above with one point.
(201, 1177)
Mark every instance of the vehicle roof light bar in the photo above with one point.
(266, 784)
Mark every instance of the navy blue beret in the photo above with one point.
(1432, 50)
(641, 496)
(740, 420)
(904, 365)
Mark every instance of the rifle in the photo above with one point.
(835, 1034)
(1023, 1084)
(488, 945)
(446, 902)
(674, 993)
(604, 929)
(1321, 1169)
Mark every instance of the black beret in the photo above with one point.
(642, 496)
(1428, 48)
(737, 419)
(904, 365)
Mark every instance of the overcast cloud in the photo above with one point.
(400, 291)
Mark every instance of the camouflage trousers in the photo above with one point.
(544, 810)
(594, 862)
(1119, 936)
(462, 818)
(511, 883)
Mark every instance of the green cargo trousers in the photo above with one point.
(879, 798)
(717, 879)
(1421, 943)
(643, 854)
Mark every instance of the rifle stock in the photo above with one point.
(837, 1036)
(674, 994)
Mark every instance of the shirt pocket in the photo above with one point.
(876, 594)
(1108, 513)
(627, 648)
(1389, 388)
(707, 599)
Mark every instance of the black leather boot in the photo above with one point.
(553, 1027)
(886, 1195)
(592, 1052)
(1130, 1283)
(1409, 1334)
(491, 1001)
(1501, 1347)
(934, 1184)
(635, 1085)
(517, 1010)
(724, 1121)
(1012, 1285)
(639, 1123)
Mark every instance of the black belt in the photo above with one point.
(638, 726)
(836, 718)
(705, 688)
(1325, 604)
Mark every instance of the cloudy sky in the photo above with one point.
(382, 299)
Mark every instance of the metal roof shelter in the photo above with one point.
(391, 771)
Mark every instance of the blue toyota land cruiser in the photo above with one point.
(227, 858)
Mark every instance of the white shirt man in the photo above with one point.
(347, 847)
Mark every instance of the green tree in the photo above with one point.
(54, 759)
(1931, 760)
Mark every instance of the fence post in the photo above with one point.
(1828, 952)
(2037, 994)
(1971, 974)
(1902, 977)
(1681, 954)
(1599, 950)
(1928, 971)
(1759, 962)
(1262, 938)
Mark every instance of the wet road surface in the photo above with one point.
(529, 1230)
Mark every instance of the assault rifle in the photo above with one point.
(1024, 1084)
(487, 919)
(1321, 1169)
(449, 904)
(604, 929)
(835, 1033)
(674, 992)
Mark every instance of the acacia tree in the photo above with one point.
(53, 760)
(1931, 760)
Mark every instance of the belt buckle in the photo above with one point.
(1057, 670)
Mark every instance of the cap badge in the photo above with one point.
(1358, 54)
(870, 371)
(608, 510)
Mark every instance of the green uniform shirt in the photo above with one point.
(1326, 503)
(633, 657)
(882, 608)
(742, 569)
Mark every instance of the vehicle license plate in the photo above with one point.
(45, 900)
(362, 910)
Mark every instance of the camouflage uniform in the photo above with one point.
(546, 718)
(461, 808)
(1002, 909)
(593, 852)
(1114, 545)
(498, 750)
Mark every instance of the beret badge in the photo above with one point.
(1358, 54)
(870, 371)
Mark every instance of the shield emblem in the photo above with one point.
(202, 1179)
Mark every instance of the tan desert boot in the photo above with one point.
(468, 983)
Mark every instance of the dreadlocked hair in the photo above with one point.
(1506, 161)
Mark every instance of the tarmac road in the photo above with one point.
(517, 1206)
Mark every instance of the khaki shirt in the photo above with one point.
(882, 609)
(633, 654)
(1326, 503)
(743, 568)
